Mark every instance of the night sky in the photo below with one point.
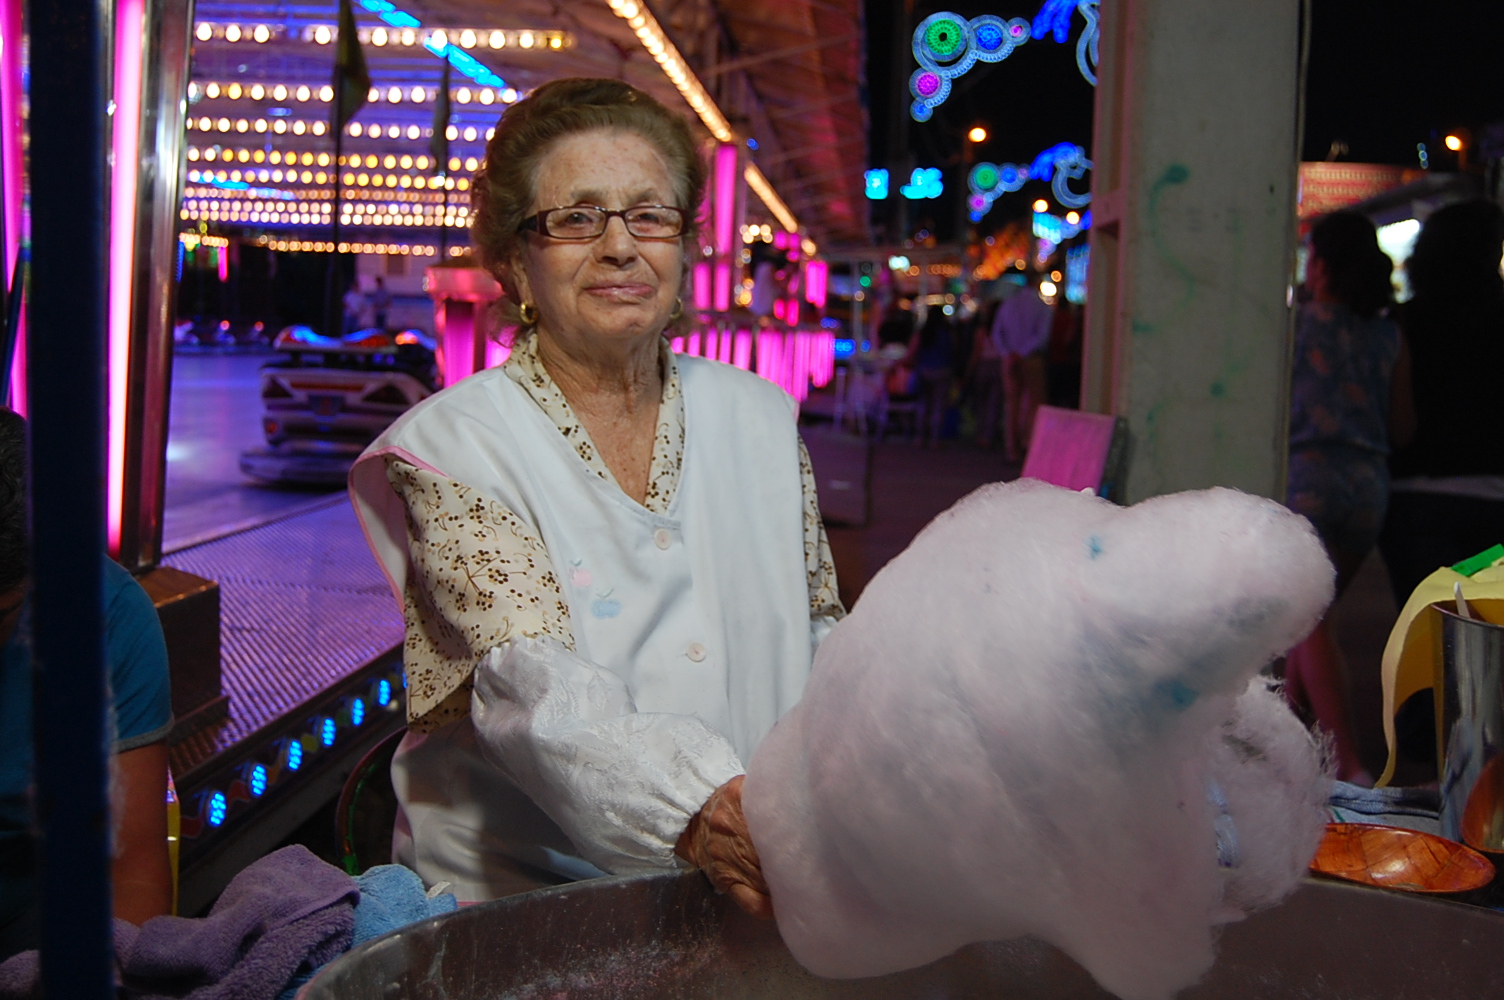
(1383, 76)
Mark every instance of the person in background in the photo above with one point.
(1021, 331)
(1063, 357)
(381, 303)
(141, 716)
(932, 357)
(984, 373)
(355, 304)
(897, 326)
(1346, 347)
(1447, 495)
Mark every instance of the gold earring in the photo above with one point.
(678, 309)
(529, 314)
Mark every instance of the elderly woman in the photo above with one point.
(610, 559)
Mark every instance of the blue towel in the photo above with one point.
(391, 896)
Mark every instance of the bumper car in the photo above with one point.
(325, 398)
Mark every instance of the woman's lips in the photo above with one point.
(621, 292)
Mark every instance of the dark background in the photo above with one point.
(1383, 76)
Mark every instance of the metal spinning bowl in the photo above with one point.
(669, 936)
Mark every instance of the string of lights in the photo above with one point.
(237, 177)
(535, 39)
(215, 90)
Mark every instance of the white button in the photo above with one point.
(662, 538)
(696, 651)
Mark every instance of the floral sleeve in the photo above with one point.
(480, 576)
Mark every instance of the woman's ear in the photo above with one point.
(513, 278)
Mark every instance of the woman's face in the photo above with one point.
(615, 287)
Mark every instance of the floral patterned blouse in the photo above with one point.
(481, 575)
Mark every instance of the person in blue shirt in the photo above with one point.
(141, 717)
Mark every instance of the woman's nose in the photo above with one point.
(616, 245)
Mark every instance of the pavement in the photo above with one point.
(216, 414)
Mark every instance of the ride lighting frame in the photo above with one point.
(151, 50)
(650, 33)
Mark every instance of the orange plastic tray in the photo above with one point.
(1394, 858)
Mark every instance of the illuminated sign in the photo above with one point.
(948, 45)
(877, 184)
(924, 182)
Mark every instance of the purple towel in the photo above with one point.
(286, 911)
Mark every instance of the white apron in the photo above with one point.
(702, 612)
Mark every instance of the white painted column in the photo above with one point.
(1188, 323)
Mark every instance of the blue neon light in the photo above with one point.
(1077, 265)
(751, 143)
(877, 184)
(218, 807)
(924, 182)
(947, 46)
(458, 57)
(383, 692)
(257, 780)
(326, 732)
(357, 712)
(1060, 164)
(845, 347)
(294, 754)
(465, 63)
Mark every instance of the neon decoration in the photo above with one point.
(357, 711)
(125, 140)
(218, 807)
(816, 282)
(947, 46)
(436, 43)
(11, 89)
(383, 692)
(1057, 230)
(1060, 164)
(721, 297)
(294, 754)
(256, 781)
(924, 182)
(793, 361)
(724, 197)
(877, 184)
(1077, 264)
(326, 732)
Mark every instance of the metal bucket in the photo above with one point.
(670, 936)
(1471, 725)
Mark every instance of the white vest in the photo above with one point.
(702, 611)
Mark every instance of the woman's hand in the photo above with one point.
(717, 842)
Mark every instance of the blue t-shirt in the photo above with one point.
(141, 696)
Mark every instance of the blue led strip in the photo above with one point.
(947, 45)
(458, 57)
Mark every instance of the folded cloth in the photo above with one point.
(391, 896)
(1411, 808)
(1381, 801)
(286, 913)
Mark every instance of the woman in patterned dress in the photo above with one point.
(610, 558)
(1346, 348)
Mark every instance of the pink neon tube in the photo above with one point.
(10, 183)
(127, 127)
(725, 200)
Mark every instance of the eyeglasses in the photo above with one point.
(588, 222)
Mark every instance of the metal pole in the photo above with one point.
(334, 295)
(70, 78)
